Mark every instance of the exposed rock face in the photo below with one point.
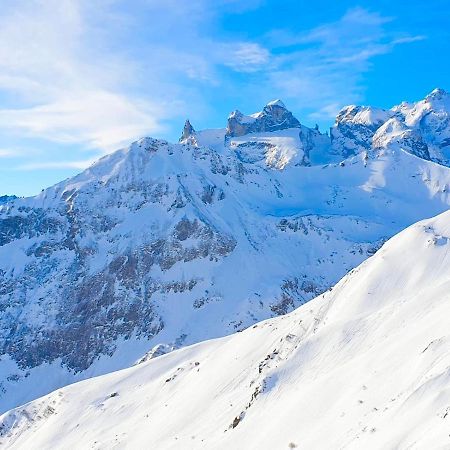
(6, 198)
(78, 306)
(354, 128)
(188, 131)
(273, 117)
(94, 309)
(161, 245)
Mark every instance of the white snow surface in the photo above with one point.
(363, 366)
(282, 148)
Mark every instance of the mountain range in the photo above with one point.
(162, 245)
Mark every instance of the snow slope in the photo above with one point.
(365, 365)
(159, 245)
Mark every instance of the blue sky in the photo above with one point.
(80, 78)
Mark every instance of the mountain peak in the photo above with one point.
(437, 94)
(364, 115)
(235, 113)
(277, 102)
(188, 131)
(273, 117)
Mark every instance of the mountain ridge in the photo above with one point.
(127, 258)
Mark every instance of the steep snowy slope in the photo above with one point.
(163, 245)
(366, 365)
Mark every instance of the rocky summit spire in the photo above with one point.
(188, 131)
(273, 117)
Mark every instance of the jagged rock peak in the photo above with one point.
(273, 117)
(235, 113)
(188, 131)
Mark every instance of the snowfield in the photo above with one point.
(363, 366)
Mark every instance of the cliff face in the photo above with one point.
(273, 117)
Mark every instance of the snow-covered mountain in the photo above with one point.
(421, 128)
(161, 245)
(364, 366)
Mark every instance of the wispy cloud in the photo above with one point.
(7, 153)
(18, 153)
(102, 120)
(56, 64)
(327, 111)
(324, 67)
(247, 57)
(74, 79)
(99, 74)
(408, 39)
(82, 164)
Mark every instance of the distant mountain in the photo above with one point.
(365, 366)
(422, 129)
(159, 245)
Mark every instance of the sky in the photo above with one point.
(81, 78)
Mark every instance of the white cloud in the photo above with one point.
(82, 164)
(326, 112)
(247, 57)
(79, 71)
(15, 152)
(103, 120)
(54, 61)
(7, 153)
(408, 39)
(324, 67)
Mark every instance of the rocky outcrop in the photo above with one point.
(6, 198)
(188, 131)
(354, 129)
(273, 117)
(273, 138)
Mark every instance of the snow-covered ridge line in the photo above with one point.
(424, 125)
